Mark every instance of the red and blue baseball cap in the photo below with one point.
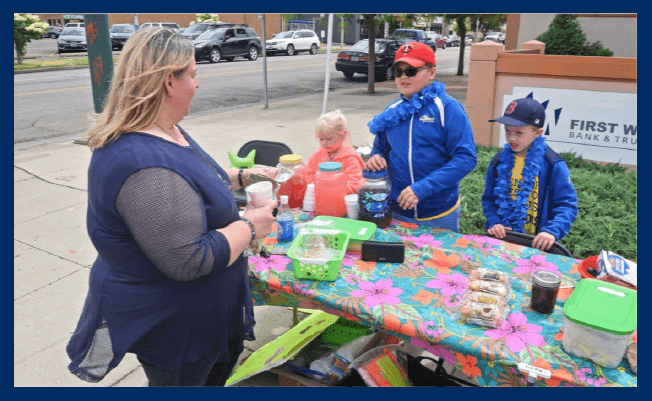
(415, 54)
(521, 112)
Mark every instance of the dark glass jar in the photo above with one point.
(545, 286)
(374, 198)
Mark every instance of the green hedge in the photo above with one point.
(606, 202)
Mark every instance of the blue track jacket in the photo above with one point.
(430, 150)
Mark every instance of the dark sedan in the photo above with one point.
(53, 32)
(356, 59)
(120, 34)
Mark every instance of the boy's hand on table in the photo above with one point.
(375, 163)
(407, 199)
(543, 241)
(498, 231)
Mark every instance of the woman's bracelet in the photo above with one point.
(251, 227)
(240, 180)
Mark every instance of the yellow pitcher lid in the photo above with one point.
(290, 159)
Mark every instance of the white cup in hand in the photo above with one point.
(259, 193)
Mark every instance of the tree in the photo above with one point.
(206, 17)
(487, 22)
(370, 21)
(343, 23)
(461, 21)
(565, 37)
(26, 28)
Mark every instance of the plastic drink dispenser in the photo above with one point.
(374, 198)
(295, 187)
(330, 190)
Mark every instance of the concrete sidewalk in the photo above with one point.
(53, 254)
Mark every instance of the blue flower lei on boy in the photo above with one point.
(394, 115)
(514, 211)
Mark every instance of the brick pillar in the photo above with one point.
(481, 90)
(535, 44)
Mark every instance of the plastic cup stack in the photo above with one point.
(309, 198)
(351, 206)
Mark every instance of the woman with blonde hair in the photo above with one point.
(334, 136)
(170, 282)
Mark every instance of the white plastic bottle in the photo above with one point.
(285, 220)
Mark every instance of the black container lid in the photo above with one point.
(546, 278)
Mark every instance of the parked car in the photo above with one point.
(53, 32)
(469, 39)
(171, 25)
(182, 30)
(72, 39)
(453, 40)
(497, 37)
(440, 40)
(75, 25)
(413, 35)
(293, 42)
(194, 30)
(356, 59)
(228, 43)
(120, 33)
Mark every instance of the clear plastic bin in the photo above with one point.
(599, 320)
(603, 348)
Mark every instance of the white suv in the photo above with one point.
(497, 37)
(293, 42)
(170, 25)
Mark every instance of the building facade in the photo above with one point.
(273, 22)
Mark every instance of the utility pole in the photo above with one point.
(262, 17)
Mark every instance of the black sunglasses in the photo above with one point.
(409, 72)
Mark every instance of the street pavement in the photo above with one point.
(53, 254)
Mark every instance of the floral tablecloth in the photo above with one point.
(416, 300)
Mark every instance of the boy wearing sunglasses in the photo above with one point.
(425, 141)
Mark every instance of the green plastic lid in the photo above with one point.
(602, 306)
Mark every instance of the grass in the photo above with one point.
(606, 202)
(39, 64)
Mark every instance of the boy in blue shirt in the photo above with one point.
(528, 187)
(425, 141)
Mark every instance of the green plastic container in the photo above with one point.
(599, 319)
(335, 239)
(345, 331)
(359, 230)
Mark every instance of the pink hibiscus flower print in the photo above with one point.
(591, 379)
(275, 262)
(435, 349)
(534, 264)
(426, 239)
(485, 243)
(449, 284)
(349, 260)
(517, 332)
(380, 292)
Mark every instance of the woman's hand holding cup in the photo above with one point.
(261, 217)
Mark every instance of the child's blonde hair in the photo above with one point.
(333, 123)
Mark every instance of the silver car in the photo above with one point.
(72, 39)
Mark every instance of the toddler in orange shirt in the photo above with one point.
(335, 140)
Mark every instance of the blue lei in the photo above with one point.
(392, 116)
(513, 212)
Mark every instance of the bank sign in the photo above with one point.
(594, 125)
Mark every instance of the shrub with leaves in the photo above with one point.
(206, 17)
(606, 197)
(565, 37)
(26, 28)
